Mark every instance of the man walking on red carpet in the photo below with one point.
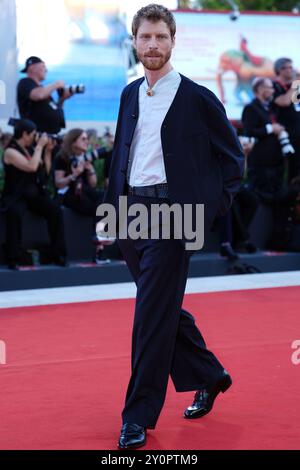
(174, 145)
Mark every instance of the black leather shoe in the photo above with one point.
(204, 398)
(132, 436)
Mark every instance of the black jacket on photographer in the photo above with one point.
(265, 161)
(46, 114)
(257, 121)
(289, 117)
(79, 195)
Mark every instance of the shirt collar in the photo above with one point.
(170, 77)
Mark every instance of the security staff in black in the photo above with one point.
(265, 160)
(35, 101)
(288, 112)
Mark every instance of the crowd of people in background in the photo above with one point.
(41, 173)
(270, 127)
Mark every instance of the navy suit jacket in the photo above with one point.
(202, 154)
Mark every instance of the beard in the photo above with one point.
(154, 61)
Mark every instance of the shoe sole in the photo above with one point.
(223, 385)
(136, 446)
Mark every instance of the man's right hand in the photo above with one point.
(277, 128)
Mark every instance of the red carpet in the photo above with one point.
(67, 369)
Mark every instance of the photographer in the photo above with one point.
(265, 160)
(287, 111)
(75, 176)
(23, 189)
(35, 101)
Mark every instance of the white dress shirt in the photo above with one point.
(146, 152)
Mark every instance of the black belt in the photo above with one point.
(155, 190)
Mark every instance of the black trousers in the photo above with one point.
(243, 210)
(266, 182)
(86, 203)
(42, 205)
(225, 228)
(165, 339)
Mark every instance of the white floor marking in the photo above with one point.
(65, 295)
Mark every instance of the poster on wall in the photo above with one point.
(226, 55)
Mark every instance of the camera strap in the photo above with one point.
(283, 85)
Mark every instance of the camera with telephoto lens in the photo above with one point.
(72, 89)
(88, 157)
(286, 147)
(56, 137)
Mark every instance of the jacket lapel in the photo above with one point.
(131, 115)
(178, 101)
